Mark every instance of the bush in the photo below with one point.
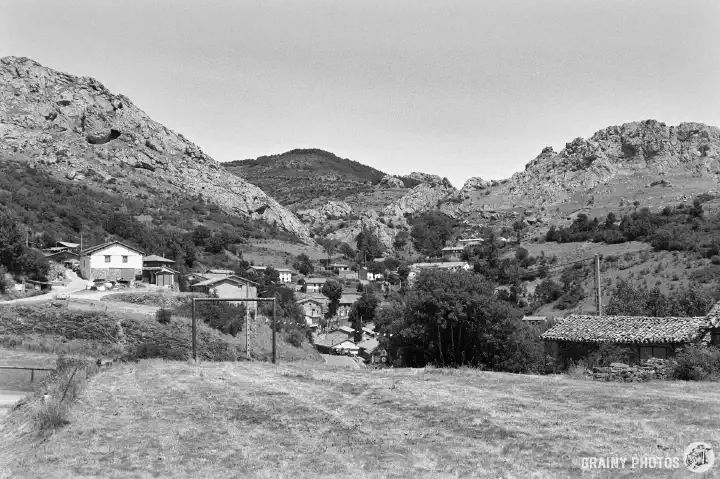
(60, 389)
(295, 337)
(697, 363)
(606, 353)
(163, 315)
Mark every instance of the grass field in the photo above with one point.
(258, 420)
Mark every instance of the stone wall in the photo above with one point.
(645, 371)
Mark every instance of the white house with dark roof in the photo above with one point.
(113, 261)
(314, 285)
(229, 287)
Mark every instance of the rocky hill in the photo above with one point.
(78, 130)
(647, 162)
(305, 178)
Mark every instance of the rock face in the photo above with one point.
(369, 221)
(79, 130)
(475, 184)
(424, 197)
(389, 181)
(331, 209)
(614, 152)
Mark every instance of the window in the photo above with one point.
(715, 338)
(107, 258)
(125, 259)
(647, 352)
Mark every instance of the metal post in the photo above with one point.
(598, 295)
(274, 347)
(194, 332)
(247, 314)
(32, 375)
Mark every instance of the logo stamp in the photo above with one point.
(699, 457)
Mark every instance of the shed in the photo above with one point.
(576, 335)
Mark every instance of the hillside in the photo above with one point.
(173, 419)
(76, 130)
(306, 177)
(648, 162)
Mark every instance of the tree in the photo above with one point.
(303, 264)
(368, 245)
(34, 264)
(332, 291)
(519, 227)
(12, 240)
(401, 239)
(430, 231)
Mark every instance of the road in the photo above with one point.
(8, 398)
(76, 284)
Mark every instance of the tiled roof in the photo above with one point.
(369, 345)
(330, 339)
(94, 249)
(349, 298)
(625, 329)
(68, 245)
(713, 316)
(315, 280)
(233, 279)
(346, 329)
(154, 257)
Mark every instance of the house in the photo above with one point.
(448, 266)
(222, 272)
(68, 258)
(326, 342)
(229, 287)
(158, 271)
(314, 308)
(347, 330)
(369, 331)
(285, 275)
(372, 353)
(534, 319)
(346, 347)
(646, 337)
(452, 253)
(346, 302)
(196, 277)
(113, 261)
(470, 241)
(339, 267)
(314, 285)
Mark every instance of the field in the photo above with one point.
(258, 420)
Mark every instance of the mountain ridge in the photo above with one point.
(75, 127)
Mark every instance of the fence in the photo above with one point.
(32, 370)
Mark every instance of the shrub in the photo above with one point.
(605, 354)
(163, 315)
(697, 363)
(295, 337)
(60, 389)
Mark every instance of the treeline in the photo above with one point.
(683, 228)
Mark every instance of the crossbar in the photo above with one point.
(32, 370)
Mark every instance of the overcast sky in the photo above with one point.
(456, 88)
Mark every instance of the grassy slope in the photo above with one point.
(95, 333)
(257, 420)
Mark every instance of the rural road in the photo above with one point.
(76, 284)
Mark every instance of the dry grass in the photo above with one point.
(259, 420)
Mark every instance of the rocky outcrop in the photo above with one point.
(423, 197)
(612, 153)
(475, 184)
(77, 129)
(389, 181)
(331, 209)
(370, 221)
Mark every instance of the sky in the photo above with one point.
(457, 88)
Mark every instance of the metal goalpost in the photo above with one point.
(244, 300)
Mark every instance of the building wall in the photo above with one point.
(95, 267)
(232, 290)
(286, 277)
(314, 288)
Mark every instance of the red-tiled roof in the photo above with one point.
(626, 329)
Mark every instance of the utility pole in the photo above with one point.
(247, 314)
(598, 293)
(274, 346)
